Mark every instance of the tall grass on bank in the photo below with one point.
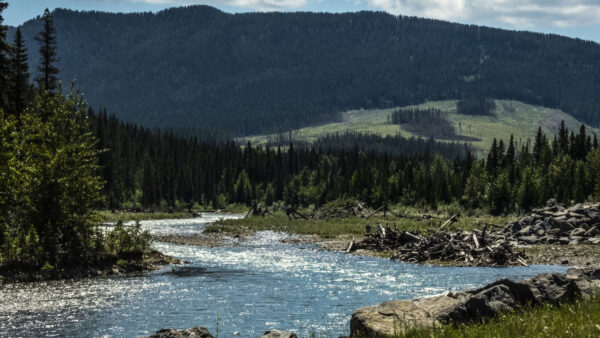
(349, 226)
(580, 319)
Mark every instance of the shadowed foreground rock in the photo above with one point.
(393, 317)
(278, 334)
(196, 332)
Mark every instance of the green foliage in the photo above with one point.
(50, 170)
(125, 241)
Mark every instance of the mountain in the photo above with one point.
(202, 69)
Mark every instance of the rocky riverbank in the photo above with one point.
(394, 317)
(202, 332)
(102, 266)
(555, 224)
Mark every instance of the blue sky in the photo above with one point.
(575, 18)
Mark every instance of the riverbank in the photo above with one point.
(336, 234)
(106, 265)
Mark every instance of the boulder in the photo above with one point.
(529, 239)
(278, 334)
(553, 288)
(195, 332)
(393, 317)
(577, 232)
(587, 280)
(594, 240)
(566, 227)
(525, 231)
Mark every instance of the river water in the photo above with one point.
(240, 290)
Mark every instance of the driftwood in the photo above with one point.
(373, 213)
(257, 211)
(466, 248)
(451, 220)
(292, 213)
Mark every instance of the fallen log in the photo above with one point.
(451, 220)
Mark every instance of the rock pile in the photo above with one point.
(391, 318)
(554, 224)
(476, 248)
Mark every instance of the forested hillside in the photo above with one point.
(199, 69)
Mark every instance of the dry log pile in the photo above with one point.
(466, 248)
(555, 224)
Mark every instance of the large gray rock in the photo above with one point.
(394, 317)
(553, 288)
(195, 332)
(278, 334)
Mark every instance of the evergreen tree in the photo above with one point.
(5, 49)
(493, 158)
(19, 75)
(58, 183)
(47, 79)
(563, 138)
(510, 152)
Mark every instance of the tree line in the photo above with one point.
(476, 106)
(152, 169)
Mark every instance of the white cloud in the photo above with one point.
(262, 5)
(516, 13)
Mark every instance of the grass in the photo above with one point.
(107, 216)
(512, 117)
(350, 226)
(580, 319)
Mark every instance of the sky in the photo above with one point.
(574, 18)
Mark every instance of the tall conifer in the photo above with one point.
(20, 75)
(4, 61)
(47, 79)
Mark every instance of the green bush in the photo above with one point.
(124, 240)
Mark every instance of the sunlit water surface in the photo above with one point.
(251, 286)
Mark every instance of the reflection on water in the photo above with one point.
(259, 285)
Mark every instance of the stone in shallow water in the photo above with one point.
(195, 332)
(278, 334)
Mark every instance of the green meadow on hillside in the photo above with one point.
(511, 117)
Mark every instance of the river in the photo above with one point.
(242, 289)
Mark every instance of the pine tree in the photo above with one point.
(4, 61)
(563, 138)
(492, 159)
(19, 75)
(47, 38)
(510, 151)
